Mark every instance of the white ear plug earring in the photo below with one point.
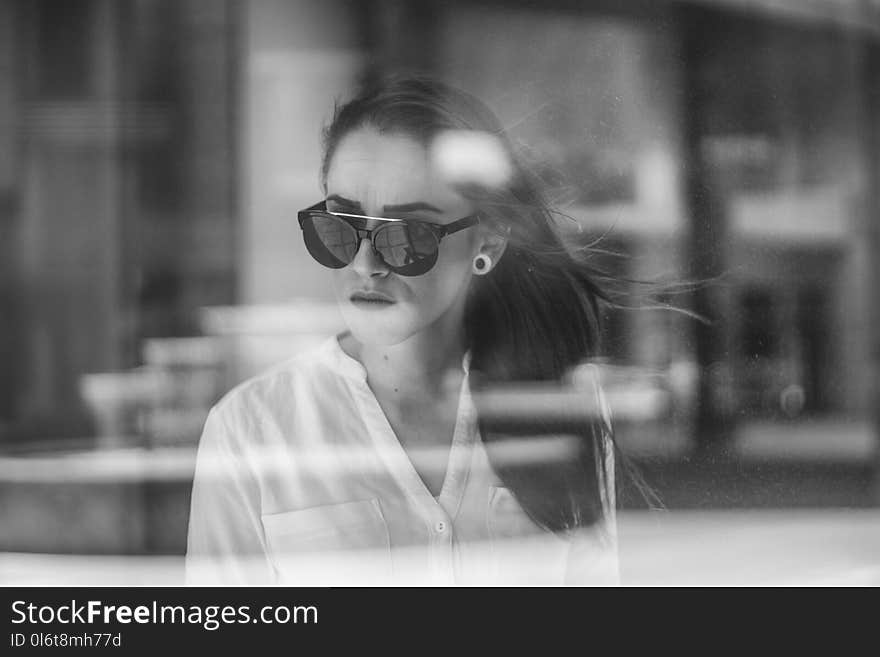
(482, 264)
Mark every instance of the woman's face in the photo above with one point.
(375, 174)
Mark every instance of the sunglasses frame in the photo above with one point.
(366, 227)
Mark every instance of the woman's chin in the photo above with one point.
(383, 327)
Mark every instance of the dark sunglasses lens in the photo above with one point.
(330, 240)
(410, 248)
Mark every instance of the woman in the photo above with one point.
(365, 461)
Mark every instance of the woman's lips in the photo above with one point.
(371, 299)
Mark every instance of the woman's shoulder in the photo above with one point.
(309, 374)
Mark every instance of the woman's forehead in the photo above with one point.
(376, 169)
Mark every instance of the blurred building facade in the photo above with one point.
(153, 154)
(117, 180)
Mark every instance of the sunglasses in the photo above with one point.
(408, 247)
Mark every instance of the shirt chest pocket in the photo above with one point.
(346, 543)
(521, 551)
(505, 518)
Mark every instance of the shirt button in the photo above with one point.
(440, 527)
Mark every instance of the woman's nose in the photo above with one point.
(367, 262)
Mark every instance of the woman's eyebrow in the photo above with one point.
(403, 207)
(411, 207)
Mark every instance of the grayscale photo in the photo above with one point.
(438, 293)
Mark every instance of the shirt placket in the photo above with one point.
(454, 484)
(437, 514)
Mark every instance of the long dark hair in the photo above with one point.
(534, 316)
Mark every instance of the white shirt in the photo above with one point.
(300, 480)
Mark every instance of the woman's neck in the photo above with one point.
(427, 364)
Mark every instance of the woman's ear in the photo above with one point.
(494, 243)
